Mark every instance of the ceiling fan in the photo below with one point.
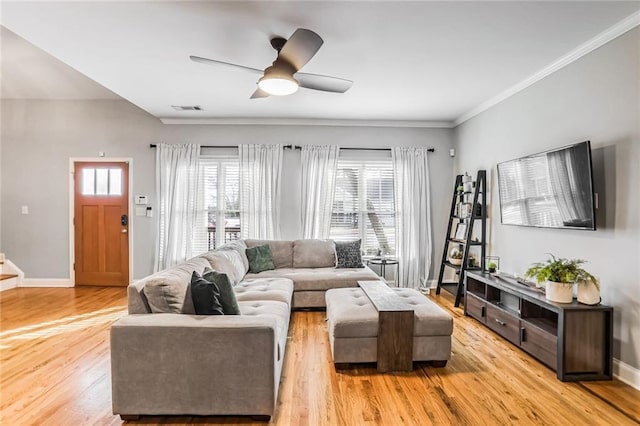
(282, 77)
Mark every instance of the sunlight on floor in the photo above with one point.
(64, 325)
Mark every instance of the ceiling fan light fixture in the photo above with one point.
(278, 82)
(278, 85)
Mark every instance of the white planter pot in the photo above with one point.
(455, 261)
(588, 293)
(559, 292)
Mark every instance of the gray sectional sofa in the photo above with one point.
(166, 360)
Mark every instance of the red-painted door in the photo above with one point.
(101, 206)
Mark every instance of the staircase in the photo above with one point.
(10, 275)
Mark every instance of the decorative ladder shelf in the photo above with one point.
(476, 211)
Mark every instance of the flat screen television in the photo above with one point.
(552, 189)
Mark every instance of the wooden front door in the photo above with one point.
(101, 208)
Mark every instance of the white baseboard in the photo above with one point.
(626, 373)
(46, 282)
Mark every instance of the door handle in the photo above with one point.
(124, 220)
(500, 322)
(124, 231)
(523, 334)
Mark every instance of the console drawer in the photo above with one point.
(503, 323)
(539, 343)
(476, 307)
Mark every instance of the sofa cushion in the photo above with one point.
(227, 296)
(280, 289)
(205, 295)
(260, 258)
(228, 261)
(319, 279)
(166, 291)
(281, 251)
(349, 254)
(271, 308)
(239, 246)
(314, 254)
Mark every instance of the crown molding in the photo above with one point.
(627, 24)
(308, 122)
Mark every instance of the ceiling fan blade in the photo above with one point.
(300, 47)
(323, 82)
(208, 61)
(259, 93)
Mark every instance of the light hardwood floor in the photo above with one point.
(55, 371)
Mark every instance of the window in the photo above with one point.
(99, 181)
(363, 205)
(219, 203)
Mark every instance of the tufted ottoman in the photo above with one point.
(352, 321)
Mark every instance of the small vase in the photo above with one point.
(588, 293)
(559, 292)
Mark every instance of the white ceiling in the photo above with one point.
(426, 61)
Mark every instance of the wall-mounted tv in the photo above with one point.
(552, 189)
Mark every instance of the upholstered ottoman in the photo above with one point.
(352, 321)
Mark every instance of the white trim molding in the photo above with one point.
(309, 122)
(626, 373)
(47, 282)
(627, 24)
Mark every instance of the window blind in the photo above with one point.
(364, 205)
(218, 203)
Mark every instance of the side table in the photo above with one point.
(383, 262)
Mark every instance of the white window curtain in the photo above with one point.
(260, 171)
(177, 193)
(413, 215)
(319, 165)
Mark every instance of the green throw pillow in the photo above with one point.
(260, 259)
(227, 296)
(205, 296)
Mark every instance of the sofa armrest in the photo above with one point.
(188, 364)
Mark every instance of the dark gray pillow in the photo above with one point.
(260, 259)
(227, 295)
(205, 296)
(349, 254)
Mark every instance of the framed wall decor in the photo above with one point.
(461, 231)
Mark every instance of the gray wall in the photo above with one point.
(39, 137)
(595, 98)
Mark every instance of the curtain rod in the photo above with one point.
(298, 147)
(153, 145)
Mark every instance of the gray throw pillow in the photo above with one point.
(227, 296)
(205, 296)
(349, 254)
(260, 259)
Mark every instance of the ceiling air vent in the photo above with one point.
(187, 107)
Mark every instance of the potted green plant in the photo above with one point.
(560, 275)
(455, 257)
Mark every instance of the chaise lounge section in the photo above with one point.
(165, 360)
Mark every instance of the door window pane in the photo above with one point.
(115, 182)
(88, 181)
(102, 181)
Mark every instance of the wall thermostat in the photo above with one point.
(142, 199)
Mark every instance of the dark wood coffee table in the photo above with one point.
(395, 327)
